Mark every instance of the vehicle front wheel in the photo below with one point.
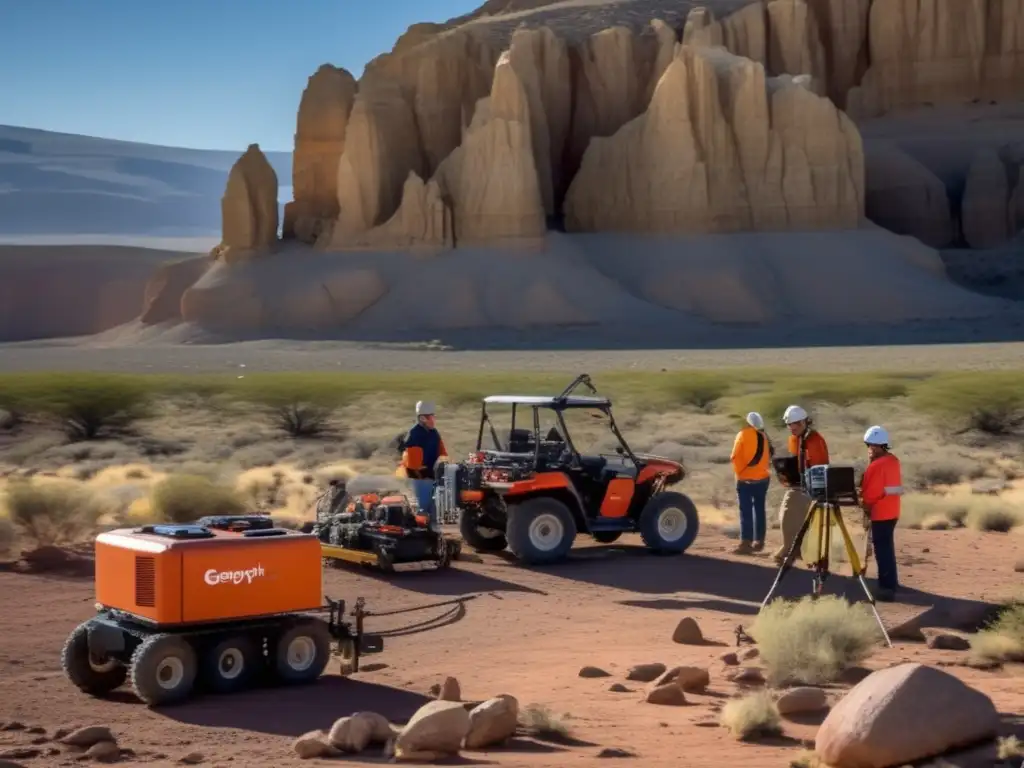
(540, 530)
(480, 538)
(669, 523)
(91, 675)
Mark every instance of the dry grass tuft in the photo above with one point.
(8, 534)
(1003, 639)
(542, 723)
(51, 511)
(1009, 748)
(806, 759)
(958, 509)
(184, 498)
(752, 716)
(813, 641)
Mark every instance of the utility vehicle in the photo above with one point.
(533, 494)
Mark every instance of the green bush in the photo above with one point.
(52, 511)
(813, 641)
(991, 403)
(185, 498)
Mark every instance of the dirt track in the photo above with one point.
(337, 356)
(526, 633)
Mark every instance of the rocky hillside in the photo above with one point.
(651, 116)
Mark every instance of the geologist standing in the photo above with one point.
(751, 461)
(421, 448)
(880, 490)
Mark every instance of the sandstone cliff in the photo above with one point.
(249, 207)
(723, 148)
(319, 142)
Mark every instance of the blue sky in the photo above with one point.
(210, 74)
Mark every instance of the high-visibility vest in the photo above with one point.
(881, 488)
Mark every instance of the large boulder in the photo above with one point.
(319, 143)
(249, 206)
(723, 148)
(903, 714)
(492, 722)
(437, 729)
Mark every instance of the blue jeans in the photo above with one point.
(753, 495)
(424, 490)
(882, 539)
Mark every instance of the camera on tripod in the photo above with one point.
(825, 483)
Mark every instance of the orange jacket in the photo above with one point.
(811, 449)
(881, 488)
(751, 455)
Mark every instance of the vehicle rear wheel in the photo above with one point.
(231, 664)
(669, 523)
(88, 673)
(540, 530)
(301, 653)
(606, 537)
(163, 669)
(480, 538)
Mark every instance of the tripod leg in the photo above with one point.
(851, 552)
(791, 555)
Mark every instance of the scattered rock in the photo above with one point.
(380, 728)
(313, 745)
(350, 734)
(35, 729)
(729, 659)
(21, 753)
(87, 736)
(615, 752)
(945, 641)
(747, 654)
(801, 700)
(687, 632)
(492, 722)
(13, 725)
(192, 758)
(692, 679)
(645, 673)
(1019, 566)
(618, 688)
(593, 672)
(10, 764)
(748, 675)
(669, 695)
(103, 752)
(706, 723)
(60, 733)
(903, 714)
(437, 728)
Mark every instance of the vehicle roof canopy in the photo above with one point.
(549, 401)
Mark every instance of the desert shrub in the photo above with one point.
(840, 390)
(300, 407)
(751, 716)
(1003, 638)
(695, 389)
(813, 641)
(993, 405)
(541, 722)
(52, 511)
(8, 533)
(994, 514)
(184, 498)
(933, 512)
(1009, 748)
(85, 406)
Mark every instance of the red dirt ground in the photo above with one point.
(526, 633)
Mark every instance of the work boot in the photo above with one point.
(758, 546)
(744, 548)
(884, 595)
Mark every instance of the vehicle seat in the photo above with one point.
(593, 465)
(520, 441)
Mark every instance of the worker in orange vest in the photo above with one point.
(880, 490)
(751, 457)
(811, 450)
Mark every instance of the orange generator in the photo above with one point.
(221, 603)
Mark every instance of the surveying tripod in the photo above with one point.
(823, 514)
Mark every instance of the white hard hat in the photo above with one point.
(424, 408)
(754, 419)
(876, 436)
(794, 414)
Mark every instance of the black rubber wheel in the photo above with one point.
(669, 523)
(163, 669)
(301, 652)
(91, 675)
(480, 539)
(540, 530)
(231, 664)
(606, 537)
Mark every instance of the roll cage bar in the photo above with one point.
(558, 404)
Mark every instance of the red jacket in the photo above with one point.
(881, 488)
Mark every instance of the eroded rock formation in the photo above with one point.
(319, 143)
(723, 148)
(905, 197)
(249, 207)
